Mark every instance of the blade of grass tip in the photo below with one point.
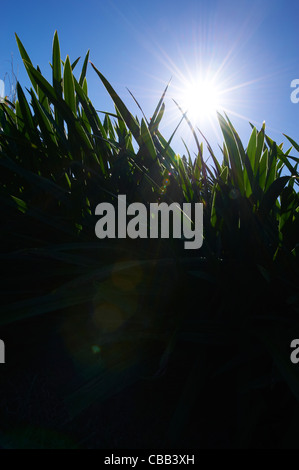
(26, 113)
(287, 153)
(247, 168)
(26, 59)
(187, 150)
(121, 127)
(204, 173)
(293, 158)
(56, 64)
(238, 140)
(281, 156)
(125, 113)
(117, 116)
(147, 140)
(68, 85)
(217, 164)
(82, 79)
(153, 127)
(167, 146)
(9, 113)
(189, 124)
(197, 168)
(61, 107)
(49, 91)
(138, 106)
(160, 103)
(84, 69)
(212, 176)
(75, 63)
(7, 103)
(112, 129)
(233, 153)
(294, 144)
(84, 88)
(56, 76)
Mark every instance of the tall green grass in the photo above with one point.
(230, 308)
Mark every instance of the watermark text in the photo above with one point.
(138, 221)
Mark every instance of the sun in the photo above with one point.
(200, 98)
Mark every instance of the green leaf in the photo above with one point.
(56, 64)
(68, 85)
(21, 205)
(63, 110)
(26, 60)
(260, 144)
(75, 63)
(233, 154)
(42, 97)
(156, 118)
(272, 166)
(251, 150)
(153, 126)
(123, 110)
(84, 69)
(247, 173)
(26, 114)
(263, 169)
(147, 140)
(44, 123)
(56, 75)
(271, 195)
(216, 163)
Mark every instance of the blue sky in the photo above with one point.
(251, 46)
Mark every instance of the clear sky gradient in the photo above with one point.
(251, 46)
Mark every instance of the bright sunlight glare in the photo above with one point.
(201, 99)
